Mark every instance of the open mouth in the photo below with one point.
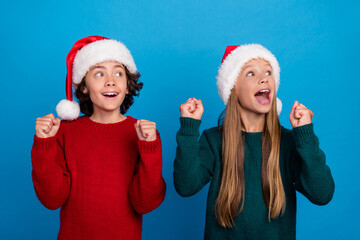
(110, 94)
(263, 96)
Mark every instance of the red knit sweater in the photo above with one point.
(101, 175)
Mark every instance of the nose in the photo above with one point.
(264, 80)
(110, 82)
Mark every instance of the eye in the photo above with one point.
(250, 74)
(268, 73)
(118, 74)
(99, 74)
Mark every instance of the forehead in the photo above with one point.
(260, 62)
(108, 64)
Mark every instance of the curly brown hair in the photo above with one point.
(133, 87)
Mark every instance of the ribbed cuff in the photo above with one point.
(304, 134)
(189, 126)
(150, 146)
(44, 142)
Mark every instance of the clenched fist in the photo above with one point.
(300, 115)
(47, 126)
(192, 108)
(145, 130)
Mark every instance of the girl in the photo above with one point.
(103, 169)
(255, 165)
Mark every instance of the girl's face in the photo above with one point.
(107, 85)
(255, 87)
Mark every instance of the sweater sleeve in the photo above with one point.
(50, 176)
(147, 190)
(312, 176)
(194, 162)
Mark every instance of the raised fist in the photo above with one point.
(47, 126)
(192, 108)
(145, 130)
(300, 115)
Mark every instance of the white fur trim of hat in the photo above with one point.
(98, 52)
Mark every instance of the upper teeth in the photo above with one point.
(110, 94)
(264, 90)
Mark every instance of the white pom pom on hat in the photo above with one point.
(278, 106)
(86, 53)
(235, 57)
(68, 110)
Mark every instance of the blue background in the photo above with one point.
(178, 46)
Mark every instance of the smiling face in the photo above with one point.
(106, 84)
(255, 87)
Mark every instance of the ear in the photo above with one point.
(85, 90)
(127, 91)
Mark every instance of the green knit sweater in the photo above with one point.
(302, 166)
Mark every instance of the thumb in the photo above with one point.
(137, 125)
(56, 125)
(56, 121)
(138, 131)
(292, 114)
(296, 103)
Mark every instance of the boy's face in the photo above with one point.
(107, 85)
(255, 87)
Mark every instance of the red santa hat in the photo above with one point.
(86, 53)
(234, 59)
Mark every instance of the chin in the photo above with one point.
(263, 109)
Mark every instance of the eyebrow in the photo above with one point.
(249, 66)
(120, 66)
(97, 67)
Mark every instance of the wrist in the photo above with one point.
(147, 146)
(150, 138)
(190, 116)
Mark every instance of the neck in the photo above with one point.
(252, 122)
(107, 117)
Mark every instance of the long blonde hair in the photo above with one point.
(230, 200)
